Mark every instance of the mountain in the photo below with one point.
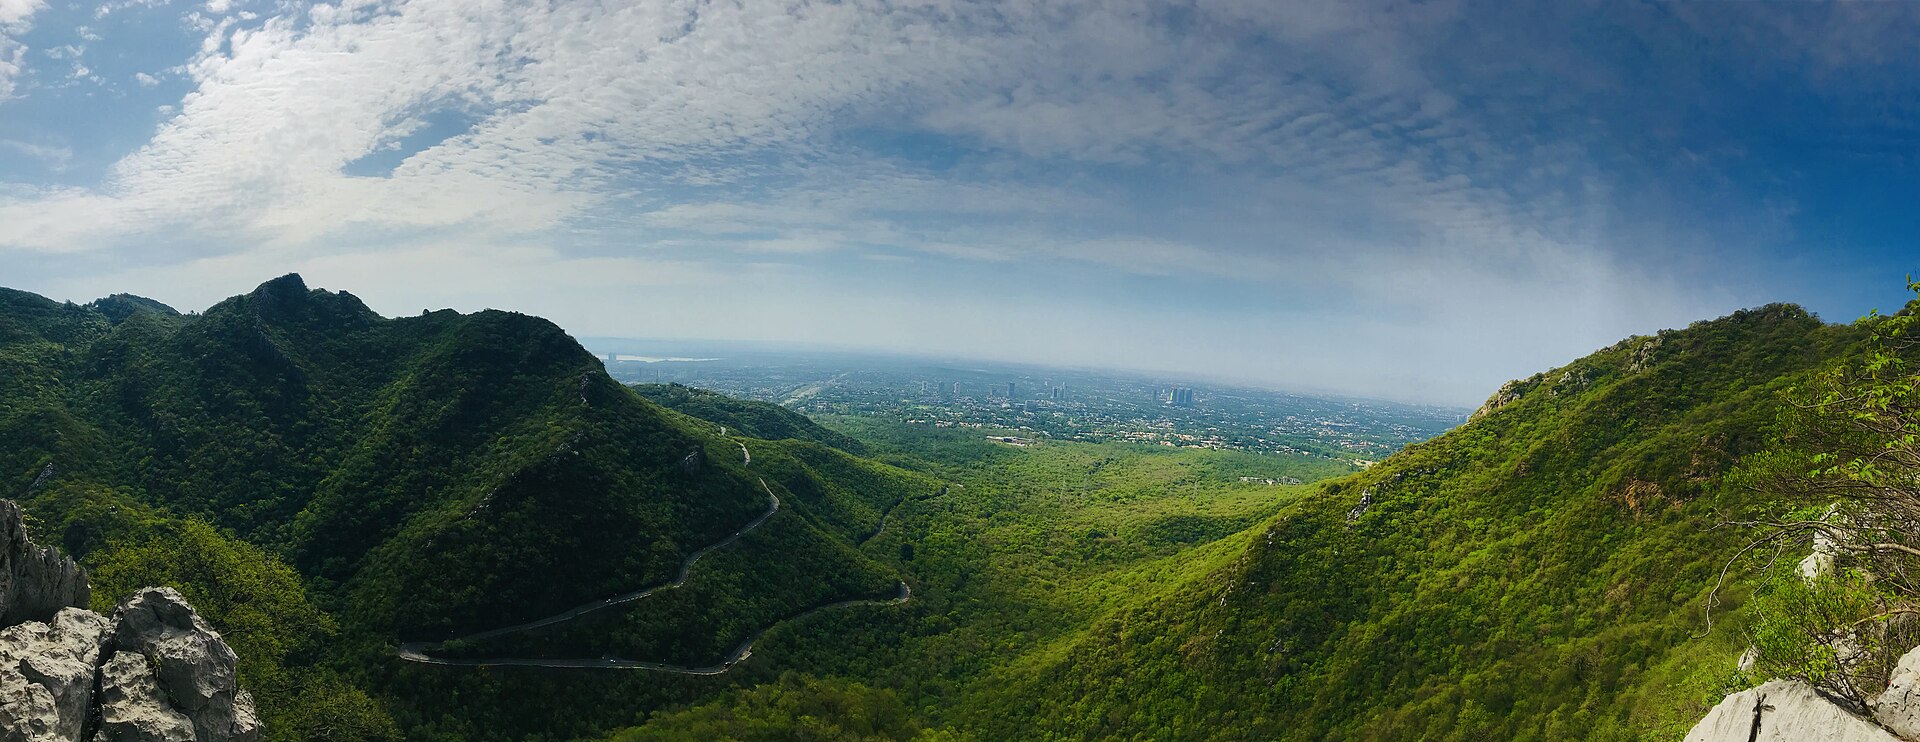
(1538, 573)
(327, 484)
(431, 527)
(751, 418)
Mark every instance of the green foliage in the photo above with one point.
(255, 599)
(796, 708)
(744, 417)
(1843, 476)
(290, 459)
(1810, 630)
(260, 608)
(1531, 575)
(289, 456)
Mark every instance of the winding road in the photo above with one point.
(886, 516)
(739, 653)
(418, 651)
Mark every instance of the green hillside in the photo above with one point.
(329, 483)
(746, 417)
(1536, 574)
(1539, 573)
(451, 527)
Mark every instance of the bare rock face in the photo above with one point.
(46, 675)
(1898, 707)
(132, 708)
(1784, 711)
(194, 668)
(35, 582)
(155, 672)
(1508, 394)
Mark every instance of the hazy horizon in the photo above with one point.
(1413, 201)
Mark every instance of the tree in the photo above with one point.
(1847, 462)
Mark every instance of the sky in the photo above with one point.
(1405, 200)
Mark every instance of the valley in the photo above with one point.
(474, 533)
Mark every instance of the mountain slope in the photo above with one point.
(1535, 574)
(744, 416)
(426, 476)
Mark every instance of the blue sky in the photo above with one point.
(1407, 200)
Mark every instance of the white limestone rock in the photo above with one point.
(132, 708)
(46, 676)
(1898, 707)
(155, 672)
(196, 669)
(1784, 711)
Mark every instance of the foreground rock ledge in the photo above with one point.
(1785, 711)
(155, 672)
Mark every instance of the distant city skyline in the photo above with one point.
(1392, 198)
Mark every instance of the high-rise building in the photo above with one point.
(1009, 390)
(956, 388)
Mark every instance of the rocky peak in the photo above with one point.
(35, 582)
(155, 671)
(1508, 394)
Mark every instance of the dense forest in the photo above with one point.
(328, 485)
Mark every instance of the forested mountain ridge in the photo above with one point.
(325, 484)
(752, 418)
(397, 479)
(1538, 573)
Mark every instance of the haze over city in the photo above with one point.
(1407, 200)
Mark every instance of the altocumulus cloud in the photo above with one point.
(1406, 199)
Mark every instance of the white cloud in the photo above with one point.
(54, 157)
(15, 19)
(15, 13)
(1295, 148)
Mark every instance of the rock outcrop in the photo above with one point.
(194, 669)
(155, 672)
(1785, 711)
(35, 582)
(1507, 394)
(1898, 707)
(46, 675)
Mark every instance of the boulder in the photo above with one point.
(1821, 562)
(1784, 711)
(195, 669)
(1898, 707)
(132, 708)
(46, 676)
(155, 672)
(35, 582)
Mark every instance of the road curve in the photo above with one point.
(886, 516)
(417, 651)
(411, 650)
(739, 653)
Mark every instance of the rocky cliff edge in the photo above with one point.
(153, 672)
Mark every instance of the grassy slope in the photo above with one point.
(1535, 574)
(1023, 550)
